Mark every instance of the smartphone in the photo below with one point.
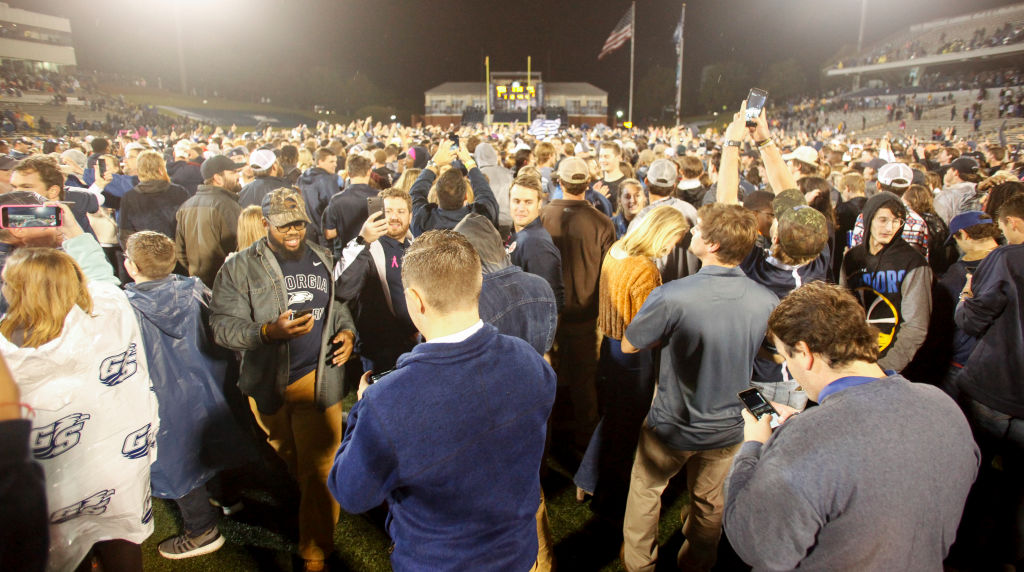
(296, 314)
(375, 377)
(374, 205)
(31, 216)
(755, 403)
(755, 103)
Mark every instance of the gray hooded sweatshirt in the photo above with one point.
(499, 177)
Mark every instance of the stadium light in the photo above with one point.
(618, 114)
(392, 118)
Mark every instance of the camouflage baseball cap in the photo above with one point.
(284, 206)
(802, 232)
(786, 200)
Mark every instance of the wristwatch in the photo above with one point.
(360, 240)
(733, 144)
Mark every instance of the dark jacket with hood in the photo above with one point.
(198, 435)
(207, 231)
(254, 191)
(186, 174)
(894, 286)
(430, 216)
(317, 186)
(518, 303)
(151, 205)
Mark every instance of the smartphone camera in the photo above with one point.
(755, 103)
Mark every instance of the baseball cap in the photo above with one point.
(284, 206)
(662, 173)
(966, 220)
(876, 163)
(965, 165)
(262, 159)
(896, 175)
(802, 231)
(75, 156)
(804, 154)
(238, 153)
(218, 164)
(574, 170)
(787, 200)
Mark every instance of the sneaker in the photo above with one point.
(229, 509)
(186, 546)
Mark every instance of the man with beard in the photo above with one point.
(274, 302)
(370, 274)
(208, 221)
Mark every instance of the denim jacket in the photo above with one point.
(520, 304)
(249, 291)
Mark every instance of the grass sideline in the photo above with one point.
(148, 96)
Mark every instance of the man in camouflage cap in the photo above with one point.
(274, 302)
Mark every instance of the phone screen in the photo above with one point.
(756, 403)
(755, 103)
(31, 216)
(374, 205)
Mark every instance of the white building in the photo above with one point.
(38, 41)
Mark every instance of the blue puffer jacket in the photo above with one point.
(198, 435)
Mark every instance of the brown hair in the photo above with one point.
(732, 227)
(41, 286)
(690, 167)
(152, 253)
(358, 166)
(855, 182)
(829, 320)
(250, 226)
(920, 199)
(1013, 206)
(451, 190)
(437, 260)
(396, 193)
(47, 167)
(152, 167)
(322, 153)
(1000, 194)
(529, 181)
(544, 151)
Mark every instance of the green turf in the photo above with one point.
(582, 542)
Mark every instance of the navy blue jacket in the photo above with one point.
(429, 216)
(533, 250)
(452, 440)
(346, 212)
(197, 434)
(317, 186)
(994, 315)
(151, 205)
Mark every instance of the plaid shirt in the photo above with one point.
(915, 231)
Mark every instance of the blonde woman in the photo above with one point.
(625, 382)
(71, 336)
(250, 227)
(407, 178)
(154, 202)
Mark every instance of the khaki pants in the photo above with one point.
(545, 545)
(654, 467)
(307, 440)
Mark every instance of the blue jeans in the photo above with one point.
(197, 514)
(1000, 434)
(784, 392)
(625, 386)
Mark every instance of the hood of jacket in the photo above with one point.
(151, 187)
(166, 303)
(485, 155)
(871, 206)
(310, 174)
(486, 240)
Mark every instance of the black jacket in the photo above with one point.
(253, 192)
(150, 205)
(185, 174)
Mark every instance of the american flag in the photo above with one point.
(622, 32)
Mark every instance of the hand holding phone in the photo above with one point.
(755, 103)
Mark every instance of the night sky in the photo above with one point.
(410, 46)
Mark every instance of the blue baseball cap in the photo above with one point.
(966, 220)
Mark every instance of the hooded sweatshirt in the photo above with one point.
(894, 286)
(499, 177)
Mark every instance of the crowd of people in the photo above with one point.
(928, 43)
(491, 298)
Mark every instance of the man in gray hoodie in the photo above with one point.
(501, 181)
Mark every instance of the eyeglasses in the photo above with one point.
(886, 221)
(297, 225)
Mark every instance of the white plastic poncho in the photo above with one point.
(95, 424)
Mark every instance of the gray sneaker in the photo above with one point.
(186, 546)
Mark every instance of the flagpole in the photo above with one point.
(679, 71)
(632, 58)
